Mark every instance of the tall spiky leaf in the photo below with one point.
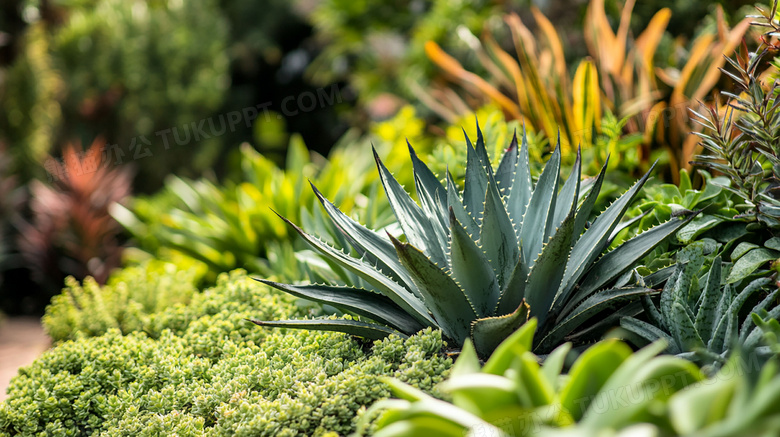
(522, 188)
(537, 221)
(418, 229)
(497, 236)
(362, 302)
(472, 270)
(395, 292)
(445, 299)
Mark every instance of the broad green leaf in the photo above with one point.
(489, 332)
(773, 243)
(741, 249)
(694, 409)
(519, 342)
(553, 364)
(750, 262)
(467, 362)
(589, 374)
(643, 374)
(369, 331)
(472, 270)
(497, 238)
(538, 391)
(480, 393)
(697, 227)
(362, 302)
(443, 297)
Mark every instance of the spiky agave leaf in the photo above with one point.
(479, 263)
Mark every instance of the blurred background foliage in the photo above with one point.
(290, 91)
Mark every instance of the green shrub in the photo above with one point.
(206, 371)
(127, 302)
(121, 69)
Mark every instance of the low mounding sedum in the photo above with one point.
(200, 369)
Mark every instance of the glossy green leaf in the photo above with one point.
(489, 332)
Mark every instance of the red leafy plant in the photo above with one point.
(71, 231)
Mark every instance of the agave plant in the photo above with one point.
(699, 317)
(480, 262)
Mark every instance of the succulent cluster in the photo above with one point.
(478, 263)
(701, 317)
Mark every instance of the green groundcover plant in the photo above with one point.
(202, 370)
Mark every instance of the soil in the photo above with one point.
(22, 340)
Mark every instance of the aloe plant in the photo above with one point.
(699, 317)
(480, 262)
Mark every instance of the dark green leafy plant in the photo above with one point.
(607, 392)
(477, 264)
(744, 145)
(701, 317)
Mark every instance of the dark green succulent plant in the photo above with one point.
(478, 264)
(702, 317)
